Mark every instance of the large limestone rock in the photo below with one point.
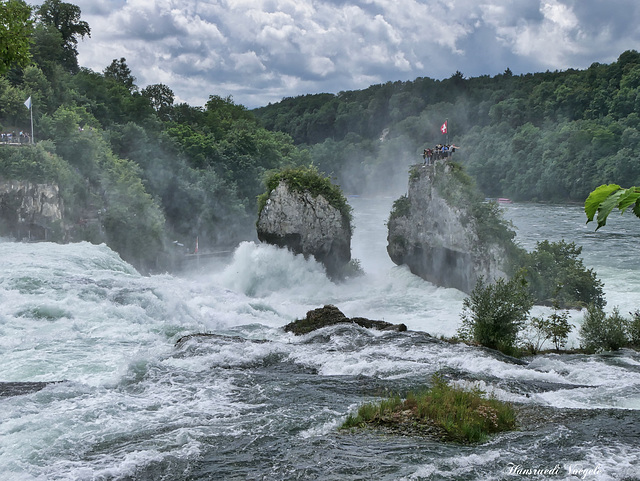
(306, 225)
(29, 210)
(439, 241)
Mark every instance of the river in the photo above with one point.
(255, 403)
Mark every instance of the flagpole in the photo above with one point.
(197, 254)
(31, 111)
(29, 104)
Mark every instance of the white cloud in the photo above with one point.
(559, 15)
(549, 41)
(247, 62)
(261, 50)
(322, 66)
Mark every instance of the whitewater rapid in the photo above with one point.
(127, 401)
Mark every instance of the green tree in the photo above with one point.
(12, 108)
(65, 17)
(160, 96)
(494, 314)
(133, 222)
(35, 83)
(600, 332)
(556, 275)
(47, 48)
(555, 327)
(634, 329)
(16, 28)
(119, 71)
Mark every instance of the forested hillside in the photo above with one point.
(540, 136)
(135, 170)
(138, 171)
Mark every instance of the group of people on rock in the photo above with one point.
(440, 151)
(13, 138)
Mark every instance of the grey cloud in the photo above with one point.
(261, 50)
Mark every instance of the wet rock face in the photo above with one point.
(439, 242)
(306, 225)
(330, 315)
(26, 207)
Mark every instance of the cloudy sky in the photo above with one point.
(259, 51)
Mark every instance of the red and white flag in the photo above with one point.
(443, 129)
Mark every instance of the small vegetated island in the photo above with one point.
(443, 411)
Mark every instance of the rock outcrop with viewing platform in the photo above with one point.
(444, 232)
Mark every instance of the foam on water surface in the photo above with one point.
(257, 400)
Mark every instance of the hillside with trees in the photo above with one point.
(134, 169)
(540, 136)
(138, 171)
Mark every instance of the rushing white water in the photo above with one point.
(253, 402)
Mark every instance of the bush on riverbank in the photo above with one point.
(634, 329)
(600, 332)
(555, 328)
(494, 314)
(450, 412)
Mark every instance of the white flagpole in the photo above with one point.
(29, 104)
(31, 111)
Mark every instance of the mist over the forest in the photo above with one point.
(146, 174)
(540, 136)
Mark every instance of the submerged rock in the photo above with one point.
(330, 315)
(444, 234)
(308, 225)
(8, 389)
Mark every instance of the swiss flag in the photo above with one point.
(443, 129)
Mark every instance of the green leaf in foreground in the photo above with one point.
(607, 197)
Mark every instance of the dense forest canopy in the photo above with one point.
(135, 170)
(540, 136)
(138, 171)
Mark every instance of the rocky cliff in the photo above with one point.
(308, 225)
(29, 210)
(444, 233)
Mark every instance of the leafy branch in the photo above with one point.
(607, 197)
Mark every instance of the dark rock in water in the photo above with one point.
(330, 315)
(306, 225)
(220, 337)
(8, 389)
(500, 356)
